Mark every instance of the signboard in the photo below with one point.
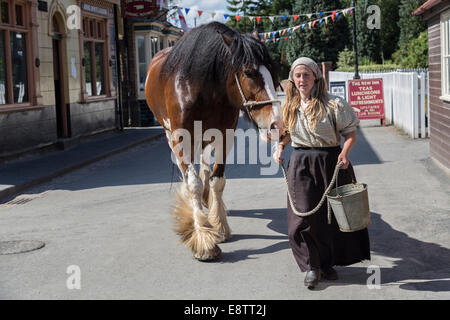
(366, 98)
(338, 89)
(139, 8)
(94, 9)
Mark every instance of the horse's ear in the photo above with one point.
(228, 40)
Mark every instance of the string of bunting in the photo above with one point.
(320, 15)
(285, 34)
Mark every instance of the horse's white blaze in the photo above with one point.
(270, 89)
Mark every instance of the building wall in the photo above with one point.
(439, 109)
(22, 131)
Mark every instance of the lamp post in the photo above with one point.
(355, 45)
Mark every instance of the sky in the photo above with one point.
(208, 6)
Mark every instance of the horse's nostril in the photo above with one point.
(273, 126)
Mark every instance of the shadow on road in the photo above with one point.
(417, 265)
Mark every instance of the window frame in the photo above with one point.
(445, 55)
(105, 21)
(27, 30)
(149, 48)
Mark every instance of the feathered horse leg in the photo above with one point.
(191, 223)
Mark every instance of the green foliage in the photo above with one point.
(414, 53)
(346, 58)
(322, 43)
(410, 26)
(370, 67)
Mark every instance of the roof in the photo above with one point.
(426, 6)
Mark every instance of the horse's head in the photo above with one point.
(251, 85)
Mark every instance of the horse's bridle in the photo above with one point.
(248, 105)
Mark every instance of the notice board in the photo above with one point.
(366, 98)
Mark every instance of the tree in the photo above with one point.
(413, 54)
(322, 43)
(410, 26)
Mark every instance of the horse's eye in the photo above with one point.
(249, 74)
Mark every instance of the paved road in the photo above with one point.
(112, 221)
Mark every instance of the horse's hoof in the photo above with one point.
(211, 255)
(224, 238)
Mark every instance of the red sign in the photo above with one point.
(139, 8)
(366, 98)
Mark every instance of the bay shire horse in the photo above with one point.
(210, 74)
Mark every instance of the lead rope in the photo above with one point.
(327, 191)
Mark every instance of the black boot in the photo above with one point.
(312, 278)
(329, 273)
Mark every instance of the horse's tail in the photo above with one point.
(192, 225)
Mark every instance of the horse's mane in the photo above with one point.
(203, 56)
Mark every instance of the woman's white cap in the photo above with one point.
(310, 63)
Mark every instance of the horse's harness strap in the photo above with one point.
(250, 104)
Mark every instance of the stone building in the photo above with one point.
(144, 37)
(58, 78)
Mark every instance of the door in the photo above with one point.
(62, 112)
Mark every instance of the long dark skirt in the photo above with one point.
(314, 242)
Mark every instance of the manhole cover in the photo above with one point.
(19, 246)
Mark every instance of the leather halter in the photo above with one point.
(250, 104)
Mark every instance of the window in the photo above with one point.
(147, 45)
(14, 31)
(94, 49)
(445, 54)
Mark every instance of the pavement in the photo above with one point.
(112, 220)
(16, 176)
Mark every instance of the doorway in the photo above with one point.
(62, 110)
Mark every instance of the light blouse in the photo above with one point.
(326, 133)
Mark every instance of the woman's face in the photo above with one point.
(304, 80)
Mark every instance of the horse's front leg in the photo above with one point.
(217, 215)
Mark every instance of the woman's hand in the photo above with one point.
(277, 155)
(350, 140)
(344, 158)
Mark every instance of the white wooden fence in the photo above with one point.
(406, 103)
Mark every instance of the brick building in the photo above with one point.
(437, 15)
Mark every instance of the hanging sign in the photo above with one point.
(139, 8)
(366, 98)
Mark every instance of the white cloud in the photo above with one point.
(207, 6)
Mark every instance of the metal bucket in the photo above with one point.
(350, 205)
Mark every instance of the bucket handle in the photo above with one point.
(322, 200)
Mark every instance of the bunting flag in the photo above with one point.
(320, 18)
(319, 14)
(182, 21)
(311, 24)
